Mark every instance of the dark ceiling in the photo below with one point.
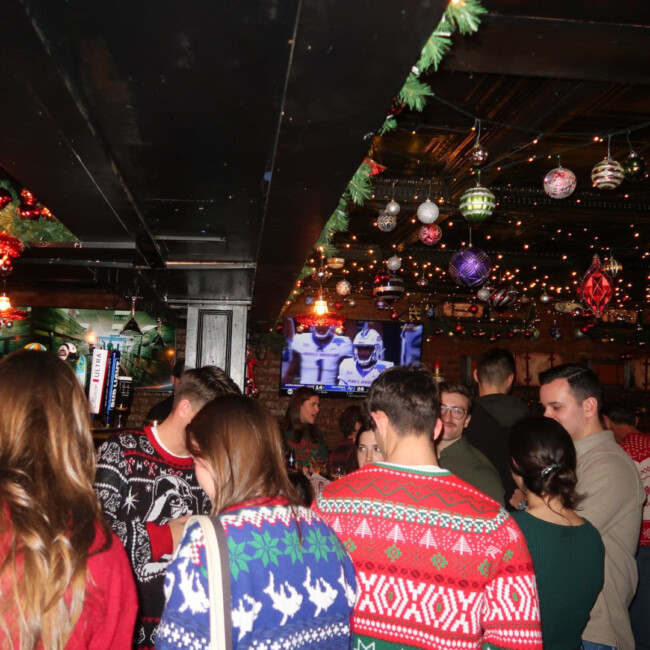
(197, 150)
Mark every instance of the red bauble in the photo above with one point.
(459, 329)
(339, 304)
(511, 335)
(430, 234)
(28, 211)
(394, 315)
(473, 309)
(5, 198)
(27, 196)
(596, 288)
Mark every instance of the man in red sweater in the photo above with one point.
(622, 420)
(439, 565)
(148, 489)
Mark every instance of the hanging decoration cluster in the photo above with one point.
(596, 288)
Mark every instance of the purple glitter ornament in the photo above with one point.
(470, 267)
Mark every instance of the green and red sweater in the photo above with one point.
(439, 564)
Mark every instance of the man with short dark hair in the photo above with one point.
(613, 496)
(455, 453)
(148, 489)
(623, 421)
(495, 411)
(439, 565)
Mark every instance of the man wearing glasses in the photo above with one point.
(455, 453)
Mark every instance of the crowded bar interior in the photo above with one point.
(240, 184)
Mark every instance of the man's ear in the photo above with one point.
(590, 407)
(381, 422)
(510, 381)
(185, 410)
(437, 429)
(467, 419)
(475, 375)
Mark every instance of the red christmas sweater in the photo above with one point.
(439, 564)
(637, 445)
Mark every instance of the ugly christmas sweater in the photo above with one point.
(292, 583)
(439, 564)
(142, 486)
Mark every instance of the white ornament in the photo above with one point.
(386, 222)
(428, 212)
(393, 263)
(343, 288)
(392, 207)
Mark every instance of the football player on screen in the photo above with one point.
(316, 355)
(367, 363)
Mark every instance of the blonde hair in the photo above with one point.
(48, 509)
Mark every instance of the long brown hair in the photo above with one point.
(291, 419)
(48, 509)
(240, 443)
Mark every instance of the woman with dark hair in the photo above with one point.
(65, 580)
(291, 582)
(366, 449)
(299, 430)
(349, 423)
(567, 551)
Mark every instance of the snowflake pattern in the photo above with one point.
(238, 558)
(318, 544)
(266, 548)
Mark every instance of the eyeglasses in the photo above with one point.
(457, 412)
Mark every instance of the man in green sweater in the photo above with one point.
(455, 453)
(613, 496)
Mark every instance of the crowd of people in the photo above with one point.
(454, 521)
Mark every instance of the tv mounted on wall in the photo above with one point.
(344, 363)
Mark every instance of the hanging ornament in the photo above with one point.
(423, 281)
(375, 168)
(352, 302)
(335, 263)
(339, 304)
(29, 211)
(484, 293)
(545, 298)
(394, 315)
(503, 298)
(46, 213)
(392, 207)
(470, 267)
(393, 263)
(387, 287)
(477, 203)
(560, 183)
(381, 304)
(10, 249)
(5, 198)
(473, 309)
(555, 331)
(343, 288)
(608, 173)
(430, 311)
(386, 222)
(634, 167)
(27, 196)
(430, 234)
(612, 267)
(396, 107)
(428, 212)
(478, 156)
(596, 288)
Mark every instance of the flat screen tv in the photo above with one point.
(345, 363)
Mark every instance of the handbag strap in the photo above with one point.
(225, 579)
(218, 569)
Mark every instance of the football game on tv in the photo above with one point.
(344, 362)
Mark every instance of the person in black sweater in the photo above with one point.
(495, 412)
(162, 410)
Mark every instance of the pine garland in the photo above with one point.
(462, 16)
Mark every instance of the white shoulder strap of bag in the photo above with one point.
(216, 551)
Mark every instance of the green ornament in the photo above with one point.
(477, 204)
(634, 167)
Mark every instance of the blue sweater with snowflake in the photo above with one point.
(290, 587)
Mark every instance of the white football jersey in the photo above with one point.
(351, 374)
(319, 362)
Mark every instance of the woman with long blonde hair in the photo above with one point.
(291, 584)
(65, 580)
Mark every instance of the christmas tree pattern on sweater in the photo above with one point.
(439, 564)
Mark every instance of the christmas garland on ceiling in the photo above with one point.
(460, 16)
(24, 217)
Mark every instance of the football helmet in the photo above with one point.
(322, 333)
(368, 347)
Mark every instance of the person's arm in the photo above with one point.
(293, 369)
(604, 505)
(511, 616)
(186, 593)
(112, 598)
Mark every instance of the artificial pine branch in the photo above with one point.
(414, 93)
(390, 124)
(360, 186)
(464, 16)
(435, 48)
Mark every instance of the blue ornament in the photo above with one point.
(470, 267)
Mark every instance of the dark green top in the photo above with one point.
(569, 567)
(307, 448)
(473, 467)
